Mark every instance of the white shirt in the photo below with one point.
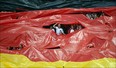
(71, 30)
(59, 30)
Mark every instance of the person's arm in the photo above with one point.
(54, 25)
(62, 31)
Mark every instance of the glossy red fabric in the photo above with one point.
(27, 28)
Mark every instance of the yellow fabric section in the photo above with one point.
(20, 61)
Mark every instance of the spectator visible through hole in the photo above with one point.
(64, 28)
(16, 48)
(94, 15)
(58, 28)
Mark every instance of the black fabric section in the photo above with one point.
(25, 5)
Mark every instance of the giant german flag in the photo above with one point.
(27, 42)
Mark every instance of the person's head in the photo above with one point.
(59, 25)
(72, 27)
(51, 27)
(79, 27)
